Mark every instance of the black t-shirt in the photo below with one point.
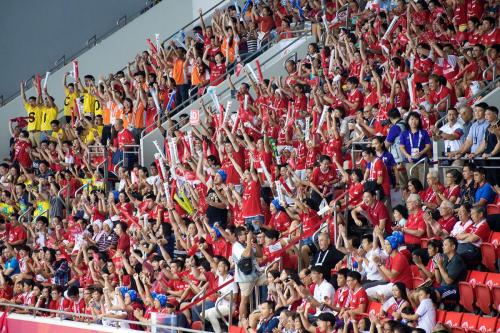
(456, 269)
(491, 139)
(215, 214)
(327, 259)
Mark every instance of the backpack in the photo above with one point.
(395, 150)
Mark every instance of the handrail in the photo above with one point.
(271, 264)
(62, 189)
(192, 99)
(43, 212)
(242, 78)
(494, 66)
(117, 165)
(81, 188)
(221, 316)
(424, 159)
(83, 315)
(484, 89)
(26, 212)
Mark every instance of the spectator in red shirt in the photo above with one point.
(396, 269)
(123, 246)
(442, 227)
(375, 211)
(17, 234)
(377, 171)
(470, 240)
(357, 301)
(414, 229)
(124, 137)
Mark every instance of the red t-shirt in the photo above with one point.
(217, 73)
(124, 243)
(280, 221)
(340, 297)
(355, 194)
(447, 223)
(356, 299)
(355, 97)
(415, 222)
(124, 137)
(251, 199)
(400, 264)
(17, 233)
(482, 229)
(376, 213)
(323, 179)
(232, 175)
(21, 153)
(378, 169)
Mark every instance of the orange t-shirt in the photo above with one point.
(197, 78)
(139, 119)
(178, 72)
(225, 51)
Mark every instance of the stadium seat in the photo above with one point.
(440, 315)
(492, 280)
(495, 241)
(483, 298)
(493, 209)
(417, 281)
(453, 319)
(496, 298)
(469, 321)
(197, 325)
(485, 324)
(466, 289)
(489, 256)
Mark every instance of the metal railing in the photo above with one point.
(33, 311)
(485, 72)
(221, 315)
(90, 43)
(20, 218)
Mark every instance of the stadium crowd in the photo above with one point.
(314, 168)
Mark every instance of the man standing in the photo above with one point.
(123, 137)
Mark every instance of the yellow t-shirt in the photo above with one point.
(48, 114)
(88, 103)
(59, 134)
(69, 101)
(98, 110)
(36, 114)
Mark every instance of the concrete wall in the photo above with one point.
(37, 33)
(114, 52)
(271, 61)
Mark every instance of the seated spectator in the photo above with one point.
(426, 311)
(375, 211)
(357, 302)
(483, 193)
(415, 226)
(470, 239)
(323, 290)
(444, 225)
(451, 269)
(393, 307)
(434, 250)
(395, 269)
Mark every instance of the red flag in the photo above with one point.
(238, 69)
(3, 323)
(259, 71)
(152, 46)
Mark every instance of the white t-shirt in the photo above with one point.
(453, 145)
(458, 228)
(325, 289)
(426, 315)
(370, 271)
(237, 252)
(231, 286)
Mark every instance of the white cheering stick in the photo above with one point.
(308, 123)
(252, 72)
(173, 151)
(323, 210)
(157, 146)
(228, 111)
(145, 219)
(157, 38)
(45, 80)
(281, 197)
(190, 142)
(245, 103)
(332, 58)
(154, 94)
(391, 26)
(213, 94)
(325, 22)
(322, 118)
(266, 172)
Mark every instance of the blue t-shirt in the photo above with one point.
(414, 140)
(268, 326)
(485, 192)
(14, 264)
